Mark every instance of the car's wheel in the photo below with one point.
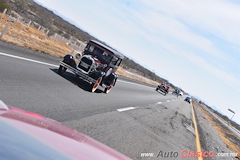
(156, 89)
(96, 84)
(108, 89)
(114, 83)
(61, 70)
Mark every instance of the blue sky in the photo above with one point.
(194, 44)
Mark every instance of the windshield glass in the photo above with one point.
(100, 54)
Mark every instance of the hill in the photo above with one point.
(30, 10)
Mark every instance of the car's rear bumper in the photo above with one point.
(163, 90)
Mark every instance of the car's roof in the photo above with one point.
(26, 135)
(116, 53)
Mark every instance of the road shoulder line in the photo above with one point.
(198, 144)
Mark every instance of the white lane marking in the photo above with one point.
(26, 59)
(168, 100)
(48, 64)
(159, 103)
(126, 109)
(173, 99)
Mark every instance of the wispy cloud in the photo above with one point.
(174, 25)
(229, 79)
(220, 17)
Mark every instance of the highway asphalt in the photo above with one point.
(133, 118)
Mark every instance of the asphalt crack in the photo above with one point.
(172, 118)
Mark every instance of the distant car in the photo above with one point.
(181, 93)
(188, 99)
(163, 88)
(176, 91)
(25, 135)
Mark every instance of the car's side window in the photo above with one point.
(119, 62)
(87, 47)
(91, 48)
(114, 60)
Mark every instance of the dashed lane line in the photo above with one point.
(126, 109)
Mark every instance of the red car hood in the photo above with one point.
(25, 135)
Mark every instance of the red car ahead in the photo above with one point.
(27, 136)
(163, 88)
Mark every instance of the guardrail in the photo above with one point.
(234, 130)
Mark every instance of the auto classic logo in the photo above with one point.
(188, 154)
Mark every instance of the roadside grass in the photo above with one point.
(22, 35)
(29, 37)
(137, 77)
(226, 135)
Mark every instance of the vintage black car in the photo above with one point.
(97, 65)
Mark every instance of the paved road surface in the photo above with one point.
(133, 118)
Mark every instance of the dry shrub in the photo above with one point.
(2, 21)
(36, 32)
(60, 43)
(4, 17)
(32, 38)
(1, 25)
(19, 25)
(136, 77)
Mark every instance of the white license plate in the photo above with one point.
(85, 65)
